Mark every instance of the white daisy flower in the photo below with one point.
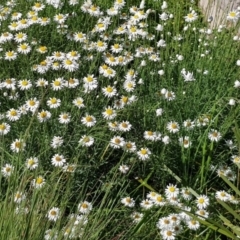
(124, 126)
(128, 202)
(32, 104)
(58, 160)
(146, 204)
(124, 169)
(117, 142)
(202, 201)
(129, 146)
(86, 141)
(137, 217)
(78, 102)
(4, 128)
(172, 191)
(56, 142)
(222, 195)
(53, 214)
(193, 224)
(38, 182)
(191, 17)
(84, 207)
(43, 116)
(32, 163)
(109, 113)
(144, 154)
(109, 91)
(88, 120)
(24, 84)
(173, 127)
(7, 170)
(19, 197)
(53, 102)
(64, 118)
(18, 145)
(58, 84)
(10, 55)
(214, 135)
(185, 142)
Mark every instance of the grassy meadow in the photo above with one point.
(119, 120)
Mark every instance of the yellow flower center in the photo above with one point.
(117, 141)
(171, 189)
(32, 103)
(57, 83)
(159, 198)
(100, 43)
(13, 113)
(86, 139)
(125, 99)
(18, 144)
(71, 81)
(190, 15)
(232, 14)
(24, 82)
(37, 5)
(10, 54)
(53, 101)
(89, 119)
(23, 46)
(116, 46)
(43, 114)
(2, 127)
(128, 145)
(68, 62)
(89, 78)
(58, 158)
(8, 81)
(100, 25)
(42, 49)
(133, 29)
(84, 205)
(93, 8)
(39, 180)
(23, 21)
(215, 134)
(109, 89)
(143, 151)
(109, 71)
(58, 54)
(14, 24)
(65, 116)
(80, 35)
(31, 162)
(109, 111)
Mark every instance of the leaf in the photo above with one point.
(230, 185)
(229, 209)
(213, 225)
(234, 228)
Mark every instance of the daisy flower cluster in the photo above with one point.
(75, 225)
(118, 91)
(175, 223)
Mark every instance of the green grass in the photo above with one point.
(95, 176)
